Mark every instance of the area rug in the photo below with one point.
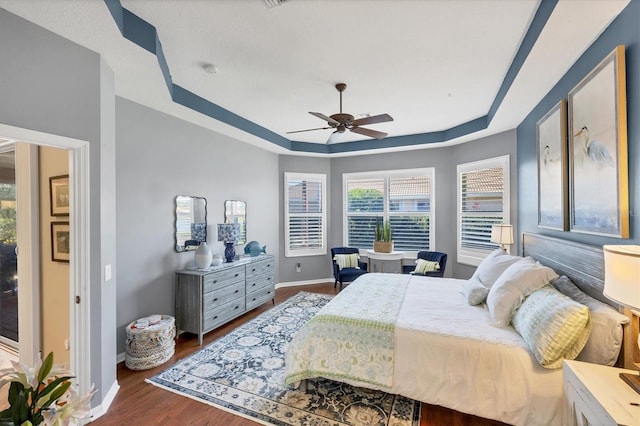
(243, 373)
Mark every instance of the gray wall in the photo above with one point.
(159, 157)
(52, 85)
(444, 160)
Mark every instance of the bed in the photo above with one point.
(418, 337)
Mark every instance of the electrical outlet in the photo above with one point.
(298, 267)
(67, 344)
(107, 272)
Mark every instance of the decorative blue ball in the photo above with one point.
(253, 248)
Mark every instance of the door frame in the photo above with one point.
(79, 272)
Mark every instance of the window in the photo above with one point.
(403, 197)
(483, 200)
(305, 205)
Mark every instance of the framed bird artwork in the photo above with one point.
(598, 166)
(551, 136)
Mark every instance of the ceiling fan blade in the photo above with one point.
(309, 130)
(332, 137)
(369, 132)
(324, 117)
(373, 119)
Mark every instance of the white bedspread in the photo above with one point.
(447, 353)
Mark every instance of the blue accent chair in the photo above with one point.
(433, 256)
(346, 275)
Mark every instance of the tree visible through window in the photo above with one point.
(404, 198)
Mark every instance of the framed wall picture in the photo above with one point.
(551, 136)
(60, 242)
(59, 195)
(599, 195)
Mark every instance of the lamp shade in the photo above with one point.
(502, 234)
(228, 232)
(622, 274)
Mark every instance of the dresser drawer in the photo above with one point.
(222, 314)
(260, 268)
(222, 278)
(257, 298)
(258, 283)
(220, 296)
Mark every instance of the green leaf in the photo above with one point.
(57, 393)
(46, 367)
(54, 384)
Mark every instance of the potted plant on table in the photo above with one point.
(383, 242)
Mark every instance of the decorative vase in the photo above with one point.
(383, 246)
(203, 256)
(230, 252)
(217, 260)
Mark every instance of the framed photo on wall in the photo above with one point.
(598, 166)
(60, 242)
(551, 137)
(59, 195)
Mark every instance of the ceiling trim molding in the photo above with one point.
(145, 35)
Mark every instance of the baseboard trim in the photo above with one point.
(100, 410)
(120, 358)
(311, 282)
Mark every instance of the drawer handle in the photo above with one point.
(215, 300)
(253, 270)
(269, 279)
(216, 317)
(237, 275)
(236, 291)
(215, 281)
(237, 307)
(254, 299)
(268, 264)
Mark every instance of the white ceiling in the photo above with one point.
(430, 64)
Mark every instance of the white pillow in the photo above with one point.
(474, 291)
(493, 266)
(513, 286)
(605, 341)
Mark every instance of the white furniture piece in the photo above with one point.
(207, 299)
(385, 262)
(596, 395)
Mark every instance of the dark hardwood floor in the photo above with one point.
(140, 403)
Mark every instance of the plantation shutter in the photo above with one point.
(402, 197)
(482, 203)
(305, 211)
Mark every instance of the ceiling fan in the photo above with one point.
(342, 122)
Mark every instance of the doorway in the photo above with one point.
(29, 243)
(8, 252)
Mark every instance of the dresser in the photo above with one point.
(596, 395)
(209, 298)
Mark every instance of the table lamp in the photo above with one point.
(622, 285)
(229, 233)
(502, 234)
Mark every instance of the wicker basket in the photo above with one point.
(383, 246)
(151, 346)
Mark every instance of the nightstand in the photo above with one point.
(595, 395)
